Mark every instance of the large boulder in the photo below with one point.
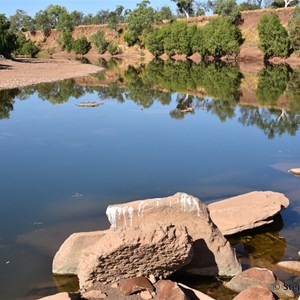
(246, 211)
(67, 257)
(212, 252)
(159, 249)
(260, 293)
(259, 277)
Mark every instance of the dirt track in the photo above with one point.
(25, 72)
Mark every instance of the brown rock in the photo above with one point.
(146, 295)
(290, 265)
(169, 290)
(212, 252)
(246, 211)
(94, 295)
(59, 296)
(259, 277)
(158, 249)
(259, 293)
(67, 257)
(136, 284)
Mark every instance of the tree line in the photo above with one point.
(143, 26)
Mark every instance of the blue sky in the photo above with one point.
(9, 7)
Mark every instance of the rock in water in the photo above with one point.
(212, 252)
(67, 258)
(290, 265)
(246, 211)
(158, 249)
(295, 171)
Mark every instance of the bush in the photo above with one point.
(25, 47)
(81, 46)
(221, 37)
(99, 41)
(155, 42)
(273, 37)
(67, 41)
(294, 29)
(114, 49)
(131, 37)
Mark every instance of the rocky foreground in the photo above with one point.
(24, 72)
(149, 240)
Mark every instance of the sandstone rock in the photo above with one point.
(290, 265)
(152, 278)
(114, 285)
(93, 295)
(59, 296)
(158, 249)
(212, 252)
(146, 295)
(169, 290)
(136, 284)
(67, 258)
(246, 211)
(259, 277)
(194, 294)
(259, 293)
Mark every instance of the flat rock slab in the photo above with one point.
(160, 249)
(213, 254)
(259, 277)
(247, 211)
(66, 260)
(258, 293)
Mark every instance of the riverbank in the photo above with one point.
(24, 72)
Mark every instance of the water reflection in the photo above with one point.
(213, 87)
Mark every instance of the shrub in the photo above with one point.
(67, 41)
(99, 41)
(114, 49)
(273, 37)
(294, 29)
(155, 42)
(228, 8)
(81, 46)
(221, 37)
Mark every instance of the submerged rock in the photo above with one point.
(158, 249)
(213, 254)
(247, 211)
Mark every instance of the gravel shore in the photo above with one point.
(14, 74)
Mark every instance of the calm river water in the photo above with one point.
(61, 165)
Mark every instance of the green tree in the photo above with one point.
(273, 37)
(25, 47)
(164, 13)
(185, 7)
(20, 21)
(221, 37)
(81, 46)
(139, 22)
(65, 22)
(77, 17)
(7, 37)
(115, 17)
(155, 41)
(294, 29)
(272, 82)
(228, 8)
(99, 41)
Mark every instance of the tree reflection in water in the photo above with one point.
(213, 87)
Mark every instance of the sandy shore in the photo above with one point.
(14, 74)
